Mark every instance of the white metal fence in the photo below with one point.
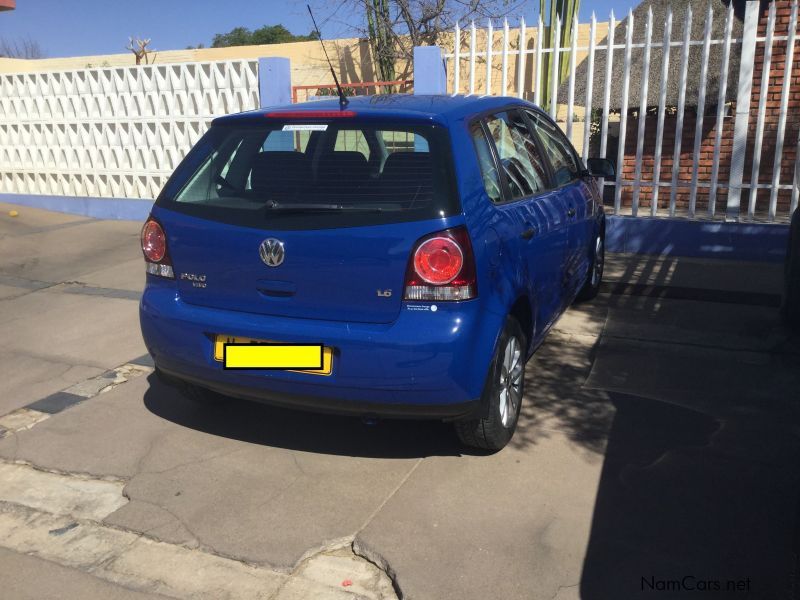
(668, 102)
(112, 132)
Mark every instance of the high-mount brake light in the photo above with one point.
(442, 268)
(311, 114)
(154, 248)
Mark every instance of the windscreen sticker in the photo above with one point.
(306, 127)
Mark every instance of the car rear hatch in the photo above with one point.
(308, 218)
(354, 274)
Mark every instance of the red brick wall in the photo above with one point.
(705, 161)
(773, 95)
(773, 98)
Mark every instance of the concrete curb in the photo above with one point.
(44, 408)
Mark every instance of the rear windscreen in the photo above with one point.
(293, 175)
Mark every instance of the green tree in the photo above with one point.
(567, 12)
(268, 34)
(380, 37)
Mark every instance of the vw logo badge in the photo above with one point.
(271, 252)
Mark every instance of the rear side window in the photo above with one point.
(519, 157)
(491, 178)
(316, 175)
(560, 152)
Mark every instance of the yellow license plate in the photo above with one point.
(248, 354)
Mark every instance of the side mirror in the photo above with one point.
(601, 167)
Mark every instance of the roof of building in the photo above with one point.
(660, 10)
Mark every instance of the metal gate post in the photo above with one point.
(430, 76)
(274, 81)
(742, 118)
(275, 89)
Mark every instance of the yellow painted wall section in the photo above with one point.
(308, 62)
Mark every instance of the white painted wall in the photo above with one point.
(112, 132)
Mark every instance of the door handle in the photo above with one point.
(528, 233)
(571, 212)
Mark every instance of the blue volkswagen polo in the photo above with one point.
(426, 244)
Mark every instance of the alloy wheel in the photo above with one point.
(599, 260)
(510, 382)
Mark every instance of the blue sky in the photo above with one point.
(85, 27)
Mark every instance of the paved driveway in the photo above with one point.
(658, 451)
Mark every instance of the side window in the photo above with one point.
(519, 158)
(491, 178)
(211, 181)
(558, 149)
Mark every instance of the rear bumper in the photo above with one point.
(424, 364)
(319, 404)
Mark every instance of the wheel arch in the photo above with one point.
(522, 311)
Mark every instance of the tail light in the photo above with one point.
(442, 268)
(154, 248)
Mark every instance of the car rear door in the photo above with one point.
(577, 195)
(538, 213)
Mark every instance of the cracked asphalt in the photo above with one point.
(660, 440)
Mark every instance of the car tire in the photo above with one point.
(501, 393)
(790, 305)
(594, 278)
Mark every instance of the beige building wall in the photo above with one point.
(308, 62)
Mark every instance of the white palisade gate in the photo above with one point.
(692, 106)
(115, 132)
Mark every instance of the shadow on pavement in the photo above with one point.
(699, 493)
(556, 401)
(697, 497)
(691, 506)
(297, 430)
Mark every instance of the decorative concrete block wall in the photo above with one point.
(112, 132)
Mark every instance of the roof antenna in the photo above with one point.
(343, 101)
